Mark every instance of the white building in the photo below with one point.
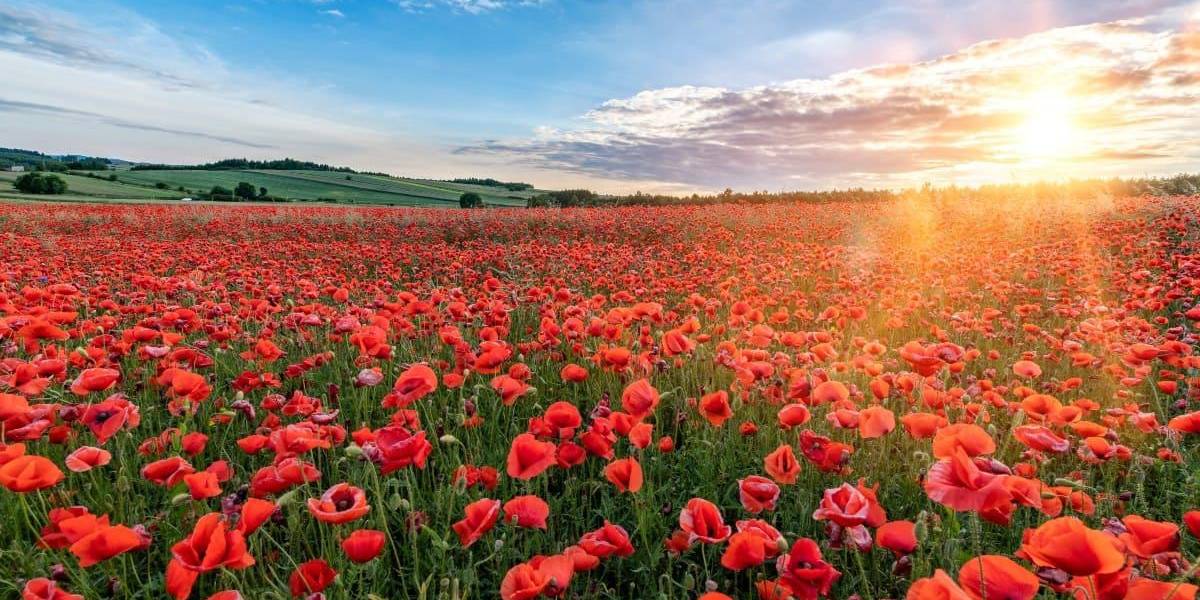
(17, 168)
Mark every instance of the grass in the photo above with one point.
(324, 185)
(79, 185)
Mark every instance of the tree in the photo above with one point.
(470, 200)
(262, 192)
(40, 183)
(220, 193)
(245, 190)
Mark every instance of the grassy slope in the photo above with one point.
(78, 185)
(313, 185)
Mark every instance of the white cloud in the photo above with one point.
(333, 12)
(1128, 88)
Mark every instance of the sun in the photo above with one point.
(1049, 131)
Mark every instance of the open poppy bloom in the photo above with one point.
(212, 545)
(341, 503)
(311, 577)
(625, 474)
(992, 576)
(703, 522)
(528, 457)
(1067, 544)
(29, 473)
(481, 516)
(526, 511)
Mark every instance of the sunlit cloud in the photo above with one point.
(1092, 100)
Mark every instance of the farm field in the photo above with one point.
(78, 185)
(327, 185)
(846, 400)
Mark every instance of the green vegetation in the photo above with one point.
(242, 164)
(470, 200)
(99, 187)
(327, 186)
(40, 183)
(32, 160)
(511, 186)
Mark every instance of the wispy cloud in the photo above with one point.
(333, 12)
(86, 86)
(467, 6)
(1127, 88)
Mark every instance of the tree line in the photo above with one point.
(512, 186)
(1178, 185)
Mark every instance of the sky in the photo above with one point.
(673, 96)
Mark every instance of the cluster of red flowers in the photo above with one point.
(938, 401)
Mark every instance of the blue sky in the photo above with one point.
(613, 95)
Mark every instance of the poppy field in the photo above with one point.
(912, 398)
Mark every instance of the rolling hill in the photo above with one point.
(329, 186)
(288, 180)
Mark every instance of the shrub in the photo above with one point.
(40, 183)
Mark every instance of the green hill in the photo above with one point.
(329, 186)
(288, 180)
(79, 185)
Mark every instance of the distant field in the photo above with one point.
(78, 185)
(324, 185)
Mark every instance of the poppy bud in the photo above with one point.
(59, 573)
(287, 498)
(448, 439)
(354, 451)
(397, 502)
(180, 499)
(689, 582)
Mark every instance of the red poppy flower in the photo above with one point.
(844, 505)
(363, 545)
(609, 540)
(973, 440)
(1144, 538)
(898, 536)
(480, 517)
(211, 545)
(875, 422)
(781, 465)
(703, 522)
(28, 473)
(311, 577)
(715, 407)
(573, 373)
(526, 511)
(341, 503)
(168, 471)
(103, 543)
(46, 589)
(938, 587)
(94, 380)
(639, 399)
(803, 572)
(1067, 544)
(528, 457)
(625, 473)
(746, 549)
(992, 576)
(398, 448)
(757, 494)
